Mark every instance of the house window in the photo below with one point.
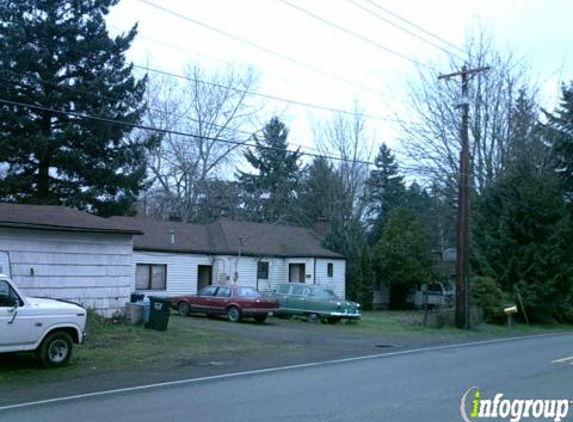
(263, 270)
(150, 277)
(330, 269)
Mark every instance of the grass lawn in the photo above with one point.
(118, 346)
(112, 346)
(410, 323)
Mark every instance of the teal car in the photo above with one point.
(313, 302)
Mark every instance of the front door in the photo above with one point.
(296, 273)
(15, 322)
(204, 276)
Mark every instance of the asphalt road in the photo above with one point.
(426, 385)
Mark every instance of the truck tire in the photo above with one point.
(56, 349)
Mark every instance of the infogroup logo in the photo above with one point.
(474, 407)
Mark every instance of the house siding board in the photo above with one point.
(92, 269)
(336, 282)
(181, 271)
(5, 263)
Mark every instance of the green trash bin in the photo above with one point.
(159, 310)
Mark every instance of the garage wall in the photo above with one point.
(88, 268)
(4, 263)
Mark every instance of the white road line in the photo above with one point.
(564, 360)
(271, 370)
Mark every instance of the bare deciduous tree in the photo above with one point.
(217, 111)
(431, 138)
(346, 136)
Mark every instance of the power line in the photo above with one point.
(197, 53)
(349, 32)
(400, 27)
(266, 96)
(397, 16)
(243, 144)
(158, 110)
(257, 46)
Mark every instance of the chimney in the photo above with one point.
(322, 227)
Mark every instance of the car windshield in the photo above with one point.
(248, 292)
(324, 294)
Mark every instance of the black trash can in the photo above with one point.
(136, 297)
(159, 310)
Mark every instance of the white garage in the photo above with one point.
(58, 252)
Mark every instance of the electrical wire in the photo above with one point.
(158, 110)
(257, 46)
(197, 53)
(243, 144)
(349, 32)
(267, 96)
(397, 16)
(421, 38)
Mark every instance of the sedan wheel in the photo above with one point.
(183, 308)
(234, 314)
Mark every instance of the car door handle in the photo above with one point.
(15, 312)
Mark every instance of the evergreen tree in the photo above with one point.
(320, 193)
(58, 57)
(270, 192)
(522, 237)
(558, 132)
(217, 199)
(402, 256)
(384, 191)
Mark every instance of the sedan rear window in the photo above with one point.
(247, 292)
(323, 294)
(224, 292)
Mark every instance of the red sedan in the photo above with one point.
(234, 301)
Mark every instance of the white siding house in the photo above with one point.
(173, 258)
(66, 254)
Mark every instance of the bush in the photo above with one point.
(487, 294)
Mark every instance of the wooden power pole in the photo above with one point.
(463, 249)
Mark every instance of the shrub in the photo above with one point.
(487, 294)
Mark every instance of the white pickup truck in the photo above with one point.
(49, 327)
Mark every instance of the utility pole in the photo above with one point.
(463, 249)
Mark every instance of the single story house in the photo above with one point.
(62, 253)
(172, 258)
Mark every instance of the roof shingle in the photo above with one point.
(226, 237)
(60, 218)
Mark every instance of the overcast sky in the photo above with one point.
(338, 68)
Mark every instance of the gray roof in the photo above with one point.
(225, 237)
(59, 218)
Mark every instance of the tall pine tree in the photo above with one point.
(58, 65)
(270, 192)
(522, 237)
(385, 191)
(320, 193)
(558, 133)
